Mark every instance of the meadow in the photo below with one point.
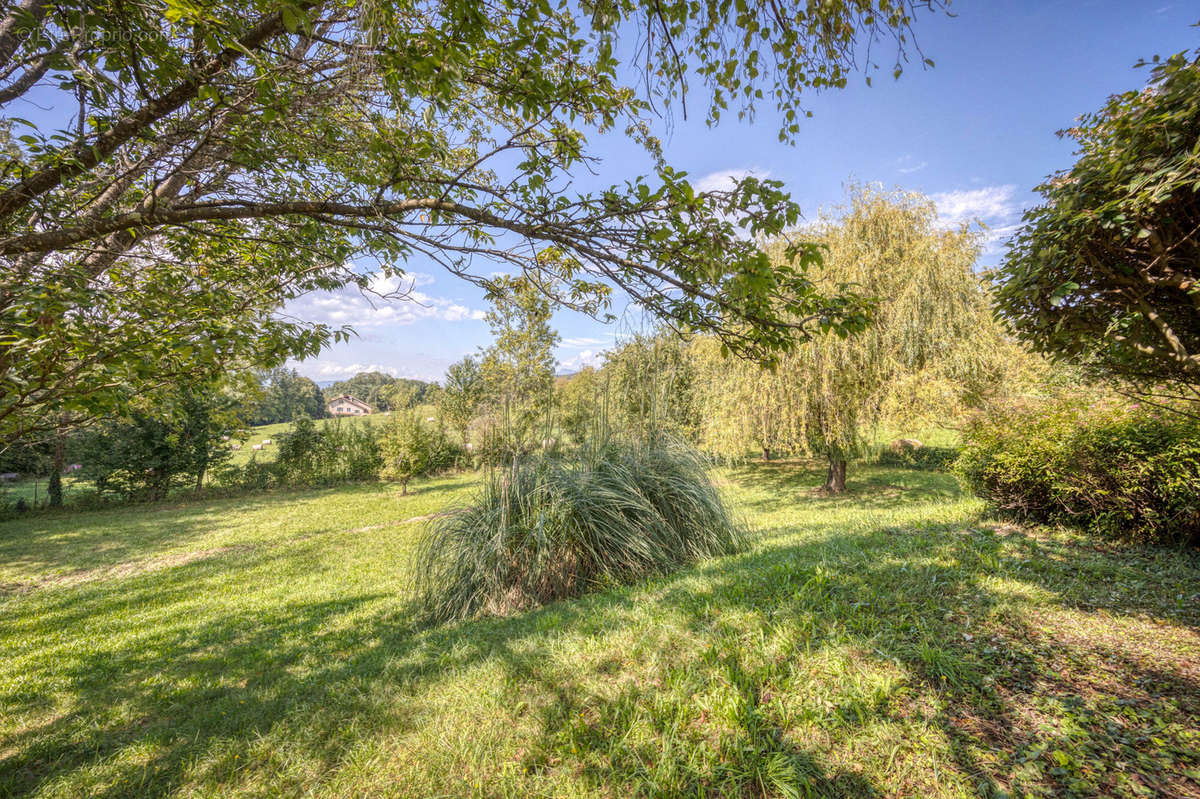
(892, 641)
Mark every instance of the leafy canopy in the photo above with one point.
(382, 391)
(1107, 270)
(167, 440)
(462, 394)
(282, 395)
(932, 326)
(410, 448)
(208, 160)
(518, 368)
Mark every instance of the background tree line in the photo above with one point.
(282, 395)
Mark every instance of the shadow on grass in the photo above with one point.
(868, 485)
(925, 600)
(181, 702)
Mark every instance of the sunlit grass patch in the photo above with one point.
(895, 645)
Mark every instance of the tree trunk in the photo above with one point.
(60, 448)
(835, 481)
(57, 469)
(766, 453)
(403, 488)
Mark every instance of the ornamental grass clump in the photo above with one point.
(548, 529)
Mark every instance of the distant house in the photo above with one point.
(345, 405)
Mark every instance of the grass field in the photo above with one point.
(242, 456)
(34, 491)
(886, 643)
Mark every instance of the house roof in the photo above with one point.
(347, 398)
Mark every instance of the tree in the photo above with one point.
(518, 368)
(54, 489)
(382, 391)
(650, 386)
(301, 453)
(402, 397)
(410, 448)
(462, 395)
(339, 451)
(1106, 271)
(29, 457)
(582, 406)
(406, 393)
(744, 407)
(213, 160)
(932, 320)
(171, 439)
(285, 395)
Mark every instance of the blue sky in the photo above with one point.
(976, 133)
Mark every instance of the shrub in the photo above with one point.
(489, 443)
(411, 448)
(333, 453)
(1115, 471)
(934, 459)
(302, 453)
(548, 529)
(352, 452)
(254, 476)
(87, 499)
(159, 443)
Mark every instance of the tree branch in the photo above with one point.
(84, 156)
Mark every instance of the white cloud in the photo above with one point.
(324, 369)
(995, 207)
(385, 284)
(395, 302)
(906, 165)
(725, 178)
(331, 370)
(996, 235)
(969, 205)
(581, 360)
(583, 341)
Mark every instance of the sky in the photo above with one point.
(976, 133)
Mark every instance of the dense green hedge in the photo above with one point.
(934, 459)
(331, 453)
(1124, 472)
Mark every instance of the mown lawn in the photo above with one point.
(888, 643)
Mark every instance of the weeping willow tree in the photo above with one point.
(744, 407)
(650, 381)
(932, 344)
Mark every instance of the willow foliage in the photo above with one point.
(650, 381)
(932, 346)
